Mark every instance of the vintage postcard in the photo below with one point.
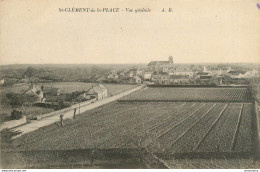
(128, 84)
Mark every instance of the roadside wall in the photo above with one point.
(65, 110)
(199, 86)
(13, 123)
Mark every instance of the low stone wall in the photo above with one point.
(13, 123)
(198, 86)
(62, 111)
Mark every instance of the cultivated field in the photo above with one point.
(163, 127)
(191, 94)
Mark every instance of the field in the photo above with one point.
(164, 127)
(191, 94)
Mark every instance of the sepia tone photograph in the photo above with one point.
(128, 84)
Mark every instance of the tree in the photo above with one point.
(15, 115)
(19, 100)
(30, 72)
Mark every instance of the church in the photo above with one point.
(161, 64)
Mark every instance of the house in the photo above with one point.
(205, 77)
(104, 90)
(160, 78)
(112, 76)
(183, 72)
(94, 92)
(179, 79)
(139, 72)
(132, 72)
(122, 74)
(2, 81)
(161, 64)
(236, 74)
(249, 74)
(101, 79)
(220, 70)
(113, 71)
(38, 94)
(135, 80)
(52, 91)
(94, 78)
(148, 75)
(99, 92)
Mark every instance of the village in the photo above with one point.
(167, 73)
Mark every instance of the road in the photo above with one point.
(35, 125)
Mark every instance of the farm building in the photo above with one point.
(52, 91)
(99, 92)
(102, 79)
(183, 72)
(161, 78)
(139, 72)
(112, 76)
(205, 77)
(33, 91)
(104, 90)
(2, 81)
(236, 74)
(179, 79)
(148, 75)
(132, 72)
(135, 80)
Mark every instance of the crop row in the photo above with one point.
(148, 131)
(167, 139)
(191, 94)
(243, 141)
(221, 137)
(197, 133)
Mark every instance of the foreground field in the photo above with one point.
(180, 127)
(191, 94)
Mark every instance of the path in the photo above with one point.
(34, 125)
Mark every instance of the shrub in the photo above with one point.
(61, 105)
(15, 115)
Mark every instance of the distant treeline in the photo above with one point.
(61, 72)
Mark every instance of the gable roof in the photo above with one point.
(102, 87)
(236, 72)
(30, 91)
(94, 90)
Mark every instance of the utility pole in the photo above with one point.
(79, 103)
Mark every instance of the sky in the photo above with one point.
(208, 31)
